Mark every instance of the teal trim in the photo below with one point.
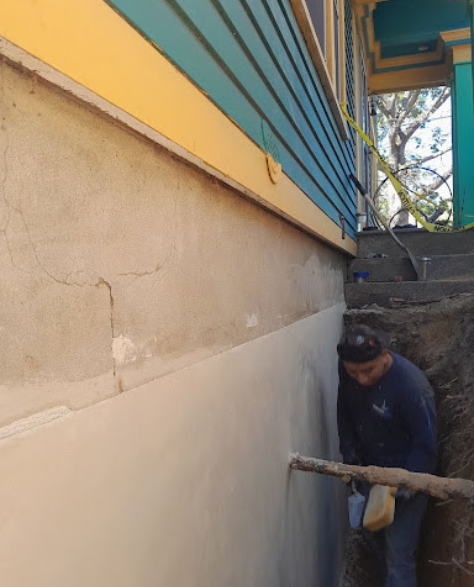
(471, 14)
(252, 62)
(461, 42)
(463, 144)
(400, 36)
(402, 25)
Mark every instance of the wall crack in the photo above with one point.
(100, 282)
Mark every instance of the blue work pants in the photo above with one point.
(395, 546)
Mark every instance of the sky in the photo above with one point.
(419, 146)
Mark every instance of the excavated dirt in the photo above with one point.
(439, 338)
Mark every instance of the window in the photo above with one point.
(322, 23)
(317, 10)
(336, 41)
(335, 44)
(327, 18)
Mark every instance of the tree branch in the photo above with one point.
(431, 157)
(384, 109)
(410, 103)
(415, 125)
(438, 182)
(442, 488)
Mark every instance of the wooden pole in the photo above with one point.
(440, 487)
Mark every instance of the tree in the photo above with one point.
(414, 149)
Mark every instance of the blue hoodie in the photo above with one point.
(393, 423)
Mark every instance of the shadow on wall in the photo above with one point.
(325, 511)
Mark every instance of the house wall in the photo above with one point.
(190, 333)
(228, 110)
(251, 59)
(184, 481)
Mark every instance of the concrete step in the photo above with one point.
(420, 242)
(390, 295)
(442, 267)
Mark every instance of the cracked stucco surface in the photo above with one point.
(120, 264)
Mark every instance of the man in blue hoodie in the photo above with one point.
(386, 417)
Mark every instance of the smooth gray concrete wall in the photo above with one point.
(185, 480)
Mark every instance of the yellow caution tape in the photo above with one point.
(402, 194)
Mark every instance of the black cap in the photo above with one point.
(359, 344)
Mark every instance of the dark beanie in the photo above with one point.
(359, 344)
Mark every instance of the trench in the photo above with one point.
(438, 337)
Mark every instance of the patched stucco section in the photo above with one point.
(122, 264)
(185, 480)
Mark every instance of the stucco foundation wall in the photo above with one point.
(120, 263)
(184, 481)
(192, 335)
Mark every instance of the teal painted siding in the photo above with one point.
(250, 58)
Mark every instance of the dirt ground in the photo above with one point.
(439, 338)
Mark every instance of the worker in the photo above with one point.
(386, 417)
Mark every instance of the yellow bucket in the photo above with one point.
(380, 509)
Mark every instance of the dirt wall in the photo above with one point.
(439, 338)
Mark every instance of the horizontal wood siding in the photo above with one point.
(251, 60)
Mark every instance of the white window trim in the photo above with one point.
(326, 68)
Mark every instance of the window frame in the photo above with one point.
(332, 77)
(363, 163)
(335, 46)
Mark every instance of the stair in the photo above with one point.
(392, 279)
(420, 242)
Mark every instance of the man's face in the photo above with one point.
(367, 374)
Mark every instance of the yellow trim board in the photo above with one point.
(91, 44)
(456, 35)
(409, 79)
(461, 53)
